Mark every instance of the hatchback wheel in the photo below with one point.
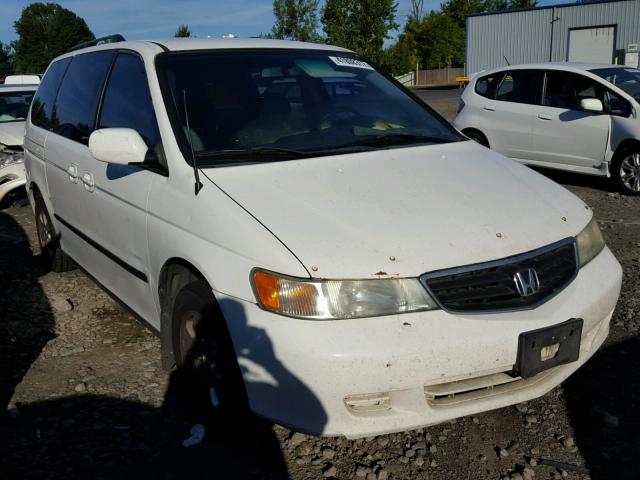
(205, 355)
(626, 172)
(54, 258)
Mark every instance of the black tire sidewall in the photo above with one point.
(213, 335)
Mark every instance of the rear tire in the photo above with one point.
(477, 137)
(205, 356)
(625, 171)
(54, 258)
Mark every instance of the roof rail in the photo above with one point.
(98, 41)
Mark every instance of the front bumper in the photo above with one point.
(11, 177)
(299, 373)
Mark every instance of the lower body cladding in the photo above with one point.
(371, 376)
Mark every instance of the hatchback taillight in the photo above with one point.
(461, 105)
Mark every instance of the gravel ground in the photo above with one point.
(82, 393)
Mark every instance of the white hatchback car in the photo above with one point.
(14, 107)
(309, 239)
(576, 117)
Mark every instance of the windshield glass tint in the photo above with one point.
(627, 79)
(294, 101)
(14, 106)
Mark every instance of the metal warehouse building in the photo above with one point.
(598, 32)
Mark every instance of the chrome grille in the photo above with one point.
(490, 286)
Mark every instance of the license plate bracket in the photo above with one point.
(560, 343)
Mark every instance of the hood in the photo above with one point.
(404, 211)
(12, 133)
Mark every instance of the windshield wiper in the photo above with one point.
(391, 139)
(260, 154)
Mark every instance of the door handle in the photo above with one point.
(543, 116)
(73, 173)
(489, 108)
(87, 179)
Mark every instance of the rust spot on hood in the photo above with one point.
(381, 273)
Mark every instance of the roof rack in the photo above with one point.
(99, 41)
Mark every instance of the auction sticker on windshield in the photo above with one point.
(350, 62)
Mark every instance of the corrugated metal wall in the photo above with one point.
(525, 36)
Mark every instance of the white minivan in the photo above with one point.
(307, 238)
(577, 117)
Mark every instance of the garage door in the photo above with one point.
(591, 45)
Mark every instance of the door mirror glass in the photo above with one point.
(591, 105)
(122, 146)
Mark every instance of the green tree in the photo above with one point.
(296, 20)
(182, 32)
(513, 4)
(360, 25)
(440, 41)
(46, 30)
(6, 59)
(458, 10)
(495, 5)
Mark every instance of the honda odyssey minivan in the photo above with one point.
(308, 238)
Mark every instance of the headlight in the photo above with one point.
(590, 242)
(339, 299)
(8, 157)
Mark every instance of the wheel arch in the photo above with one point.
(624, 146)
(477, 130)
(174, 274)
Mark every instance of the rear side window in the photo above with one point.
(519, 86)
(486, 86)
(42, 110)
(127, 100)
(75, 112)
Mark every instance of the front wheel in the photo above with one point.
(626, 172)
(205, 355)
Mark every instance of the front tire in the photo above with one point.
(54, 258)
(626, 171)
(205, 356)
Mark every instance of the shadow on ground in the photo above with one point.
(89, 436)
(603, 400)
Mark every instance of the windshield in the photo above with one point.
(627, 79)
(14, 106)
(275, 105)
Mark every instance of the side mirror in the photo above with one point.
(591, 105)
(120, 146)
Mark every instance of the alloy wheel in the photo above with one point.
(630, 171)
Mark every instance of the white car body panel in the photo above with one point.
(560, 138)
(428, 207)
(404, 191)
(12, 133)
(12, 176)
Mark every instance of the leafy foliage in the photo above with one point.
(360, 25)
(183, 32)
(296, 20)
(6, 59)
(440, 41)
(46, 30)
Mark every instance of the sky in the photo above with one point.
(153, 19)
